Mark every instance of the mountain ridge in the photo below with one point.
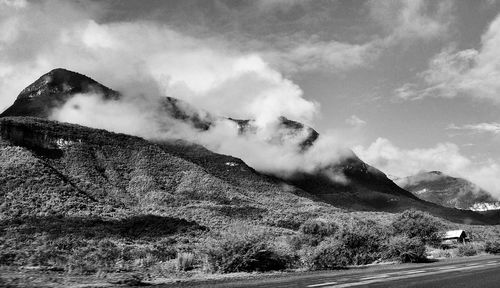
(366, 187)
(442, 189)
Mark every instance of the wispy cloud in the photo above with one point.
(355, 121)
(468, 72)
(412, 19)
(492, 127)
(314, 54)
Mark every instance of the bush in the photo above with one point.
(357, 244)
(90, 259)
(405, 249)
(363, 241)
(418, 224)
(300, 241)
(492, 247)
(185, 261)
(466, 250)
(164, 250)
(330, 254)
(318, 228)
(245, 249)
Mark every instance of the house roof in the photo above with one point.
(454, 234)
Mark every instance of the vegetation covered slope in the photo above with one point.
(53, 168)
(188, 174)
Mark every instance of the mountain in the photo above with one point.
(286, 129)
(94, 170)
(52, 90)
(50, 168)
(442, 189)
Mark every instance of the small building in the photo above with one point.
(455, 237)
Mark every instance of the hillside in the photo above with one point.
(442, 189)
(51, 168)
(131, 177)
(82, 201)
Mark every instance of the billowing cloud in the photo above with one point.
(147, 61)
(269, 148)
(146, 57)
(444, 157)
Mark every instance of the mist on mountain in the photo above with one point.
(270, 147)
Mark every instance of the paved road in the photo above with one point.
(481, 272)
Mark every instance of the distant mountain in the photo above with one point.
(94, 168)
(442, 189)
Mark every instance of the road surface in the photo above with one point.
(471, 272)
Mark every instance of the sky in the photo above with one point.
(410, 85)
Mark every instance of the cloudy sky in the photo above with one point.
(414, 85)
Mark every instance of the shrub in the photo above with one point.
(318, 228)
(330, 254)
(363, 241)
(185, 261)
(492, 247)
(418, 224)
(466, 250)
(245, 249)
(90, 259)
(164, 250)
(405, 249)
(46, 255)
(357, 244)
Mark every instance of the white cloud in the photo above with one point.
(314, 54)
(445, 157)
(355, 121)
(407, 92)
(402, 20)
(146, 61)
(145, 57)
(469, 72)
(492, 127)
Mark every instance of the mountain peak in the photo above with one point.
(60, 80)
(52, 90)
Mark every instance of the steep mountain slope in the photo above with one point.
(442, 189)
(53, 168)
(176, 178)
